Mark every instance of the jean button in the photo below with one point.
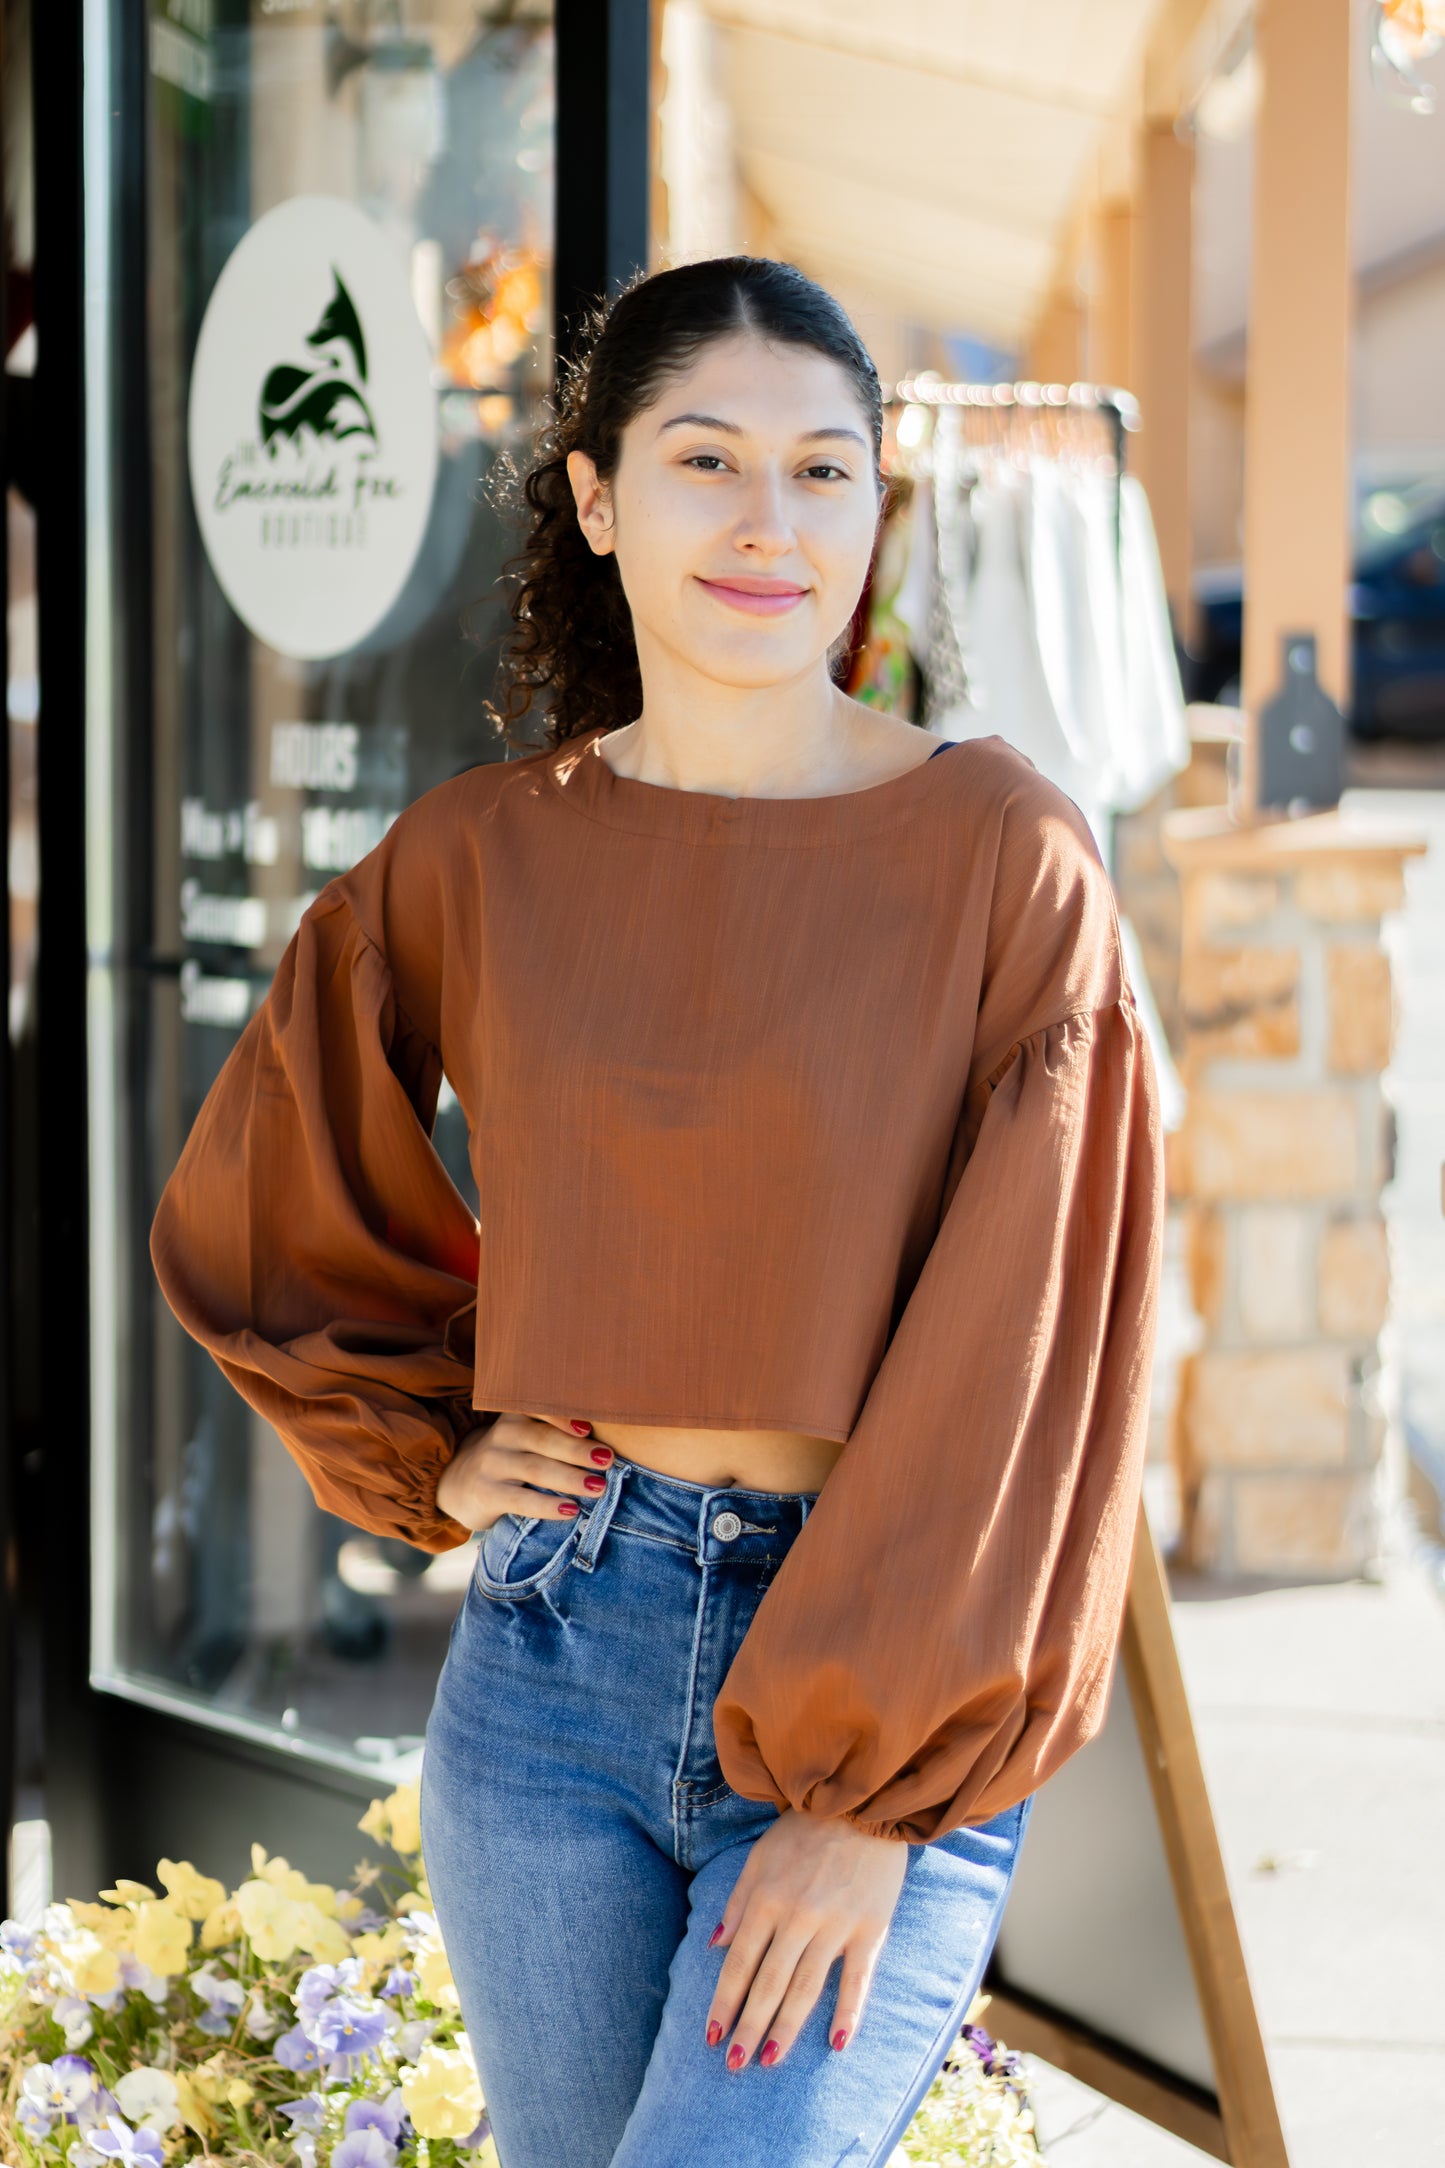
(726, 1527)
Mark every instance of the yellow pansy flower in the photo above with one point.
(196, 1895)
(290, 1880)
(403, 1813)
(211, 2078)
(278, 1872)
(434, 1977)
(270, 1920)
(396, 1820)
(127, 1893)
(162, 1937)
(239, 2093)
(93, 1968)
(192, 2108)
(443, 2094)
(321, 1938)
(373, 1822)
(381, 1946)
(113, 1928)
(222, 1925)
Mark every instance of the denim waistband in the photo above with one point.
(718, 1524)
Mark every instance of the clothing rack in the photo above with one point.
(1028, 402)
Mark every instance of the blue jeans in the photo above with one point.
(581, 1842)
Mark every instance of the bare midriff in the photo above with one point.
(760, 1460)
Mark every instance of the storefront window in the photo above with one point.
(338, 323)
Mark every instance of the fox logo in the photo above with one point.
(324, 396)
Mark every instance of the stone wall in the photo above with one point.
(1285, 1016)
(1146, 883)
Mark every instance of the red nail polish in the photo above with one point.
(567, 1507)
(602, 1454)
(714, 2032)
(735, 2057)
(582, 1429)
(716, 1935)
(769, 2054)
(839, 2037)
(594, 1483)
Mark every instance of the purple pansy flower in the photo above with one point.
(19, 1942)
(307, 2113)
(62, 2087)
(33, 2120)
(319, 1983)
(135, 2148)
(398, 1982)
(388, 2116)
(347, 2027)
(94, 2110)
(296, 2052)
(72, 2014)
(79, 2069)
(139, 1978)
(224, 1998)
(363, 2149)
(476, 2137)
(997, 2062)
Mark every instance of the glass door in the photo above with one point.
(331, 328)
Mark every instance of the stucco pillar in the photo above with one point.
(1111, 297)
(1054, 353)
(1297, 411)
(1161, 363)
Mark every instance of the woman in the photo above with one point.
(811, 1305)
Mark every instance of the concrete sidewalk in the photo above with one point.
(1321, 1720)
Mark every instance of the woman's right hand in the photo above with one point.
(520, 1464)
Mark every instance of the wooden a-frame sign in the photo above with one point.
(1120, 1960)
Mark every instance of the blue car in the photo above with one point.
(1397, 608)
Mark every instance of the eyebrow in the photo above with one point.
(733, 429)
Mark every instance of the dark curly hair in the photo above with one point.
(570, 648)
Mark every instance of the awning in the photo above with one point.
(926, 154)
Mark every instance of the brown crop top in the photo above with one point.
(820, 1114)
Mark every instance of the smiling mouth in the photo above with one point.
(756, 598)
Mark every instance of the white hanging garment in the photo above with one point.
(1067, 621)
(1009, 692)
(1173, 1097)
(1156, 728)
(910, 604)
(947, 675)
(1096, 496)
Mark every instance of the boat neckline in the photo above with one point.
(585, 781)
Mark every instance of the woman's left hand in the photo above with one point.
(811, 1890)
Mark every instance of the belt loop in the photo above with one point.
(705, 1507)
(599, 1520)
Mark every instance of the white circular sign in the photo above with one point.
(313, 428)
